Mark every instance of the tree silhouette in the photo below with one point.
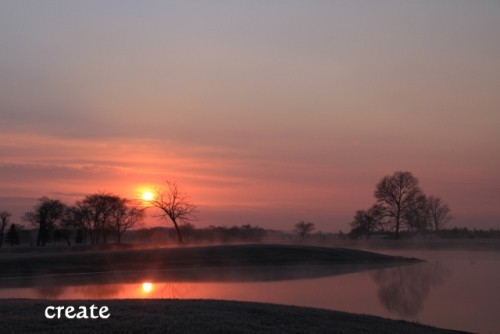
(13, 235)
(366, 222)
(124, 217)
(396, 194)
(71, 223)
(95, 212)
(417, 215)
(304, 228)
(174, 205)
(4, 220)
(401, 201)
(104, 213)
(439, 212)
(45, 215)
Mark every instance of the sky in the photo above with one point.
(264, 112)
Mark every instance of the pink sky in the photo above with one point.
(265, 113)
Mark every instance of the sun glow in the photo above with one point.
(147, 196)
(147, 287)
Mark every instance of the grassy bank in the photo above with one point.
(199, 316)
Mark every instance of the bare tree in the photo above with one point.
(4, 220)
(175, 206)
(396, 194)
(45, 215)
(439, 212)
(125, 217)
(304, 228)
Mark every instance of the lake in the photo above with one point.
(452, 289)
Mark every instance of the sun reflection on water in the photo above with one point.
(147, 287)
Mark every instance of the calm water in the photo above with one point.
(458, 290)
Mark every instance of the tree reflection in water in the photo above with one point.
(99, 291)
(175, 290)
(50, 292)
(402, 290)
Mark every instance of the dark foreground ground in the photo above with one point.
(198, 316)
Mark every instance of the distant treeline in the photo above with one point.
(247, 233)
(463, 233)
(168, 235)
(451, 233)
(191, 234)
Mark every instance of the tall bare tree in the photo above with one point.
(439, 212)
(174, 205)
(4, 220)
(396, 195)
(45, 215)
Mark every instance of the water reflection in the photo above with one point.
(175, 290)
(403, 290)
(50, 292)
(171, 290)
(460, 292)
(103, 291)
(147, 287)
(204, 274)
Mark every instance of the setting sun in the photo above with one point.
(147, 196)
(147, 287)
